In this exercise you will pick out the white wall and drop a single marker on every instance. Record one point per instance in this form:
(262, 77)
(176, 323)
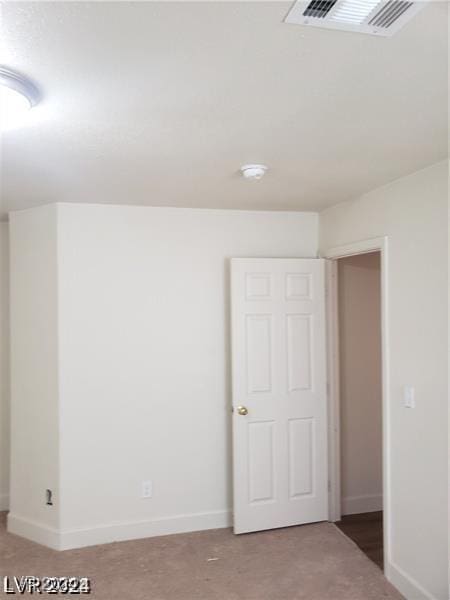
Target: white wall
(4, 367)
(144, 348)
(34, 360)
(144, 366)
(412, 212)
(360, 381)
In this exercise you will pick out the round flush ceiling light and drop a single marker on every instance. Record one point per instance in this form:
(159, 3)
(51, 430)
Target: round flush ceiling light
(17, 96)
(253, 171)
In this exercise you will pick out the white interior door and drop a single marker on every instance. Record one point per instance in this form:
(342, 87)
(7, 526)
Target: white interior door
(280, 470)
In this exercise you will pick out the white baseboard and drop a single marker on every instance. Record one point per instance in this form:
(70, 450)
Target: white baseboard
(4, 501)
(116, 532)
(406, 585)
(352, 505)
(34, 531)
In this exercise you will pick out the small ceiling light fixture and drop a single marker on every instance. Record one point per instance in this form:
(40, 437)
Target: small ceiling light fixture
(17, 96)
(253, 171)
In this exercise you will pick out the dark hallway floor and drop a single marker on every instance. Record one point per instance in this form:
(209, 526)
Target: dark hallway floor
(366, 530)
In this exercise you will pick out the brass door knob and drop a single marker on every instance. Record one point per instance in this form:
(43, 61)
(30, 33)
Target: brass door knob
(242, 410)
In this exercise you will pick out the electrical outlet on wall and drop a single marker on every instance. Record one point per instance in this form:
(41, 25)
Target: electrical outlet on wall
(147, 489)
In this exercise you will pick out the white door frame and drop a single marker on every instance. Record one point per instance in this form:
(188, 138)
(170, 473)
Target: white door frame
(379, 244)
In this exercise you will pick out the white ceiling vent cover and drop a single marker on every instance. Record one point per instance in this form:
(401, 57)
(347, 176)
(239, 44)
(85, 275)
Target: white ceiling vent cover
(377, 17)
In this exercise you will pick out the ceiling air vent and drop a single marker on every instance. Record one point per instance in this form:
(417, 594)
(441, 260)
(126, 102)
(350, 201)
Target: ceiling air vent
(319, 8)
(377, 17)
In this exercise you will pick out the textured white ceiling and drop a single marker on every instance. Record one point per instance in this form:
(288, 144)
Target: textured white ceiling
(159, 103)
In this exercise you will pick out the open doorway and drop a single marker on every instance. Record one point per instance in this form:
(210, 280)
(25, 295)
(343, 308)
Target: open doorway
(360, 405)
(380, 537)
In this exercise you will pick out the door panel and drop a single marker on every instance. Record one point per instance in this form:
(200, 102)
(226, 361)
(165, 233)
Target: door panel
(259, 353)
(261, 467)
(299, 350)
(279, 375)
(301, 449)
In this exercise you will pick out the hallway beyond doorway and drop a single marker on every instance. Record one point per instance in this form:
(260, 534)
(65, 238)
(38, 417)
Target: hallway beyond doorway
(366, 530)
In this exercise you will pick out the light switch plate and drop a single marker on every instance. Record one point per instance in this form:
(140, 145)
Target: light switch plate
(147, 489)
(409, 399)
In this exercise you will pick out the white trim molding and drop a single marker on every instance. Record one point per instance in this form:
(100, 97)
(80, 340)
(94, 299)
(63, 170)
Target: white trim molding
(334, 442)
(134, 530)
(359, 247)
(353, 505)
(116, 532)
(379, 244)
(34, 531)
(406, 584)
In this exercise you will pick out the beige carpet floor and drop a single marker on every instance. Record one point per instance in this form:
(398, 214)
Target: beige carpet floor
(310, 562)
